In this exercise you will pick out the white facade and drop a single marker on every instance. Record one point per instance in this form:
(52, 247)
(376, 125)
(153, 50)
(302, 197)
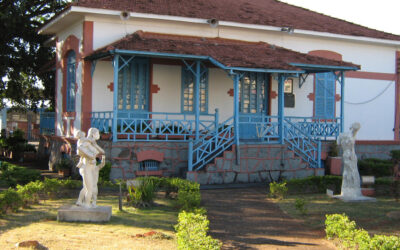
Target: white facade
(370, 102)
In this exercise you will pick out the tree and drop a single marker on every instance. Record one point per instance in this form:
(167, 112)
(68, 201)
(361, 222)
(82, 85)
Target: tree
(22, 51)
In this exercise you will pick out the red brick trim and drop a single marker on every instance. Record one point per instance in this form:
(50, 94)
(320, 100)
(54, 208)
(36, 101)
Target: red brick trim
(370, 75)
(231, 92)
(326, 54)
(154, 89)
(362, 142)
(397, 99)
(311, 96)
(337, 97)
(87, 81)
(149, 155)
(111, 86)
(273, 94)
(71, 43)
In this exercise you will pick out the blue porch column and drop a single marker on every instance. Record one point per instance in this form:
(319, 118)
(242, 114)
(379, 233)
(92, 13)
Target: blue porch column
(236, 114)
(342, 102)
(281, 107)
(197, 99)
(115, 101)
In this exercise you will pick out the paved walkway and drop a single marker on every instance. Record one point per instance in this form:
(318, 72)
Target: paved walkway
(243, 218)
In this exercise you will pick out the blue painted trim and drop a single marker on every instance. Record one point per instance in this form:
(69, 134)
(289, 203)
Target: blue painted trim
(281, 108)
(323, 67)
(186, 74)
(197, 98)
(342, 102)
(236, 115)
(115, 101)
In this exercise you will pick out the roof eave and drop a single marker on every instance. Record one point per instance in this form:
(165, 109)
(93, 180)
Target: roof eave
(313, 68)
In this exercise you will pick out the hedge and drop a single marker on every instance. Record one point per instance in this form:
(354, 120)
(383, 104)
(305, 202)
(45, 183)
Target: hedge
(338, 226)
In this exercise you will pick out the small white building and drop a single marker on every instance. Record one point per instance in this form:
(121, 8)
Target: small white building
(244, 90)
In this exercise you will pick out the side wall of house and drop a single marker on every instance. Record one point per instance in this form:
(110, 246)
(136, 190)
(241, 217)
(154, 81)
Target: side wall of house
(369, 94)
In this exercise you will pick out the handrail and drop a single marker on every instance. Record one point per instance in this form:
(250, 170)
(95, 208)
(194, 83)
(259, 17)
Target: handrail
(302, 144)
(317, 127)
(208, 146)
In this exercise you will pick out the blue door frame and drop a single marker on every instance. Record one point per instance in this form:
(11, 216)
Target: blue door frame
(253, 90)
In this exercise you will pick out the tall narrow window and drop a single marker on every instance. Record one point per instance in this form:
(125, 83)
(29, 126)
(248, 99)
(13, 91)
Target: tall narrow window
(71, 76)
(325, 95)
(133, 86)
(188, 94)
(252, 93)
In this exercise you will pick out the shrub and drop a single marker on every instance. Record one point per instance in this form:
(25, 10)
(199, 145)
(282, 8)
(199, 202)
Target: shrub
(143, 194)
(64, 164)
(315, 184)
(278, 190)
(14, 175)
(51, 187)
(395, 154)
(375, 167)
(10, 200)
(340, 227)
(191, 231)
(30, 192)
(300, 205)
(104, 174)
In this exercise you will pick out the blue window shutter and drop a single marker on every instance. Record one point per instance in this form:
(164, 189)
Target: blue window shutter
(325, 95)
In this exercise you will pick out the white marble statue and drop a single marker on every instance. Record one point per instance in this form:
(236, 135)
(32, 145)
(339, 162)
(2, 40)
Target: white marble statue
(351, 183)
(88, 149)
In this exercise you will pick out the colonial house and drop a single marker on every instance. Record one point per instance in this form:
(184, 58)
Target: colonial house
(226, 91)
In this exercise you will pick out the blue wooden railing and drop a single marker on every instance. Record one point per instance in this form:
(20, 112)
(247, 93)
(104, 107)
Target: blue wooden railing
(210, 145)
(266, 127)
(302, 144)
(153, 126)
(47, 123)
(317, 128)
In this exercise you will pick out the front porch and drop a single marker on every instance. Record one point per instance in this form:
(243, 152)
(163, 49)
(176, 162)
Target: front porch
(213, 96)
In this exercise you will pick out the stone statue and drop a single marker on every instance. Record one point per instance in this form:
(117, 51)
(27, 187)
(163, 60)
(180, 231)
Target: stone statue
(88, 149)
(351, 184)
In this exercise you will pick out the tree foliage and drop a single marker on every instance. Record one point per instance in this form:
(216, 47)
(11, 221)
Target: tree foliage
(23, 55)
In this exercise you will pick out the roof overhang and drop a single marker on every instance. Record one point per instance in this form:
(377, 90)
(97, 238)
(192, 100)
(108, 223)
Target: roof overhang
(303, 68)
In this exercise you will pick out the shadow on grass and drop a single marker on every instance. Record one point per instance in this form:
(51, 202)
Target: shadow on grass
(162, 216)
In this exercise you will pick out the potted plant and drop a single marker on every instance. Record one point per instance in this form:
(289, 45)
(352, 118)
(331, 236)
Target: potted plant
(64, 167)
(334, 161)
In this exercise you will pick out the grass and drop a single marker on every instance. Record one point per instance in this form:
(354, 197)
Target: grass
(368, 215)
(40, 223)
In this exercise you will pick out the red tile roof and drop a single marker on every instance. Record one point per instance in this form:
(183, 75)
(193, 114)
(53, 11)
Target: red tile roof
(231, 53)
(263, 12)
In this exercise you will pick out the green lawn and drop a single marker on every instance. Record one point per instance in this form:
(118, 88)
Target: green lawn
(371, 216)
(40, 223)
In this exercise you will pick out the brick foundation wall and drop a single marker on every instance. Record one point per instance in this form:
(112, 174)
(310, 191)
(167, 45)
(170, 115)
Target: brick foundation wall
(258, 163)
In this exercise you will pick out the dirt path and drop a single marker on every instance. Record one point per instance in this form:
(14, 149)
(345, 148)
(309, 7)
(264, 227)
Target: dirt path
(244, 219)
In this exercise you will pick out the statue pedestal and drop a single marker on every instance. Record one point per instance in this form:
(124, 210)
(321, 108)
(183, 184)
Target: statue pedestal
(73, 213)
(355, 198)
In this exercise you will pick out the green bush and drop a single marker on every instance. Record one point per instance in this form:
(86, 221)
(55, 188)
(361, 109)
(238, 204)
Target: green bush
(375, 167)
(395, 154)
(30, 192)
(191, 232)
(143, 194)
(315, 184)
(52, 187)
(10, 200)
(14, 175)
(104, 174)
(300, 205)
(340, 227)
(278, 190)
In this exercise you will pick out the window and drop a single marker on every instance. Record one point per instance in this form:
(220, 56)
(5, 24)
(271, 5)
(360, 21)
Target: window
(133, 86)
(188, 90)
(71, 74)
(325, 95)
(253, 93)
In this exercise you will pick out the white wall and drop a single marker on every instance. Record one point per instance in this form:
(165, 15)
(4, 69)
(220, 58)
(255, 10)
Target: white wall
(102, 97)
(218, 86)
(371, 57)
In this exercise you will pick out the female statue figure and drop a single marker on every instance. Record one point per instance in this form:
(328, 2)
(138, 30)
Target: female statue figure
(88, 149)
(351, 179)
